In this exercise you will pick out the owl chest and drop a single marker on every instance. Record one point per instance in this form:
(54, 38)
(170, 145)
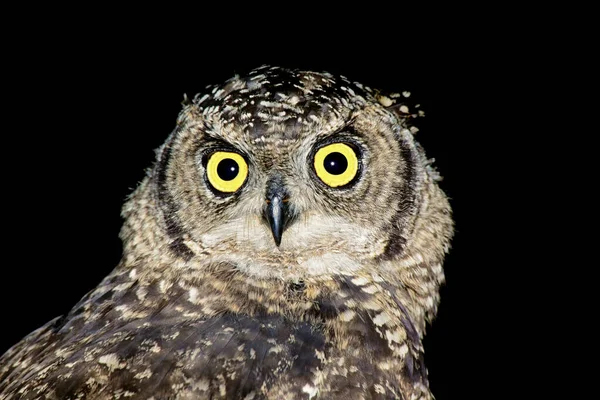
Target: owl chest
(236, 355)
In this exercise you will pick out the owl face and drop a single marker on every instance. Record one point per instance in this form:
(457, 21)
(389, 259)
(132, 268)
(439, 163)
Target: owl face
(287, 175)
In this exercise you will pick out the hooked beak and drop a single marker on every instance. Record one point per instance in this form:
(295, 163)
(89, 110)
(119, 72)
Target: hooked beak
(276, 216)
(276, 210)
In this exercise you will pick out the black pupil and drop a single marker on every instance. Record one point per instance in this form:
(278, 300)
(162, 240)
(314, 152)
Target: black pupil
(335, 163)
(227, 169)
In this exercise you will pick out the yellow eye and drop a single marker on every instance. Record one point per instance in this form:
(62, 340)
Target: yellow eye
(226, 171)
(336, 164)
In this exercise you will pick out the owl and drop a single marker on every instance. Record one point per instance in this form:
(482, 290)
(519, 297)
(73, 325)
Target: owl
(287, 244)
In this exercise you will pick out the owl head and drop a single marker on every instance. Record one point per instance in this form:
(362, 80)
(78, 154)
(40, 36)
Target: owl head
(291, 175)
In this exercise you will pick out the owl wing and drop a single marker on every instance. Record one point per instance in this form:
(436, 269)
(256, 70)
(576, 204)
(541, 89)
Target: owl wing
(27, 350)
(229, 356)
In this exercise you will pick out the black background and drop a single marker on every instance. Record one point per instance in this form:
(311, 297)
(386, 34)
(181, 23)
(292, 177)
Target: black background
(86, 111)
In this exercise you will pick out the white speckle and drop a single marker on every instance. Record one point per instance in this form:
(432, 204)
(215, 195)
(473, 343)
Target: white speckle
(155, 348)
(111, 361)
(347, 315)
(371, 305)
(404, 109)
(202, 385)
(252, 354)
(429, 302)
(147, 373)
(379, 389)
(385, 101)
(206, 96)
(360, 281)
(381, 319)
(351, 303)
(164, 286)
(61, 353)
(122, 286)
(406, 94)
(320, 355)
(397, 336)
(311, 390)
(132, 273)
(258, 77)
(276, 349)
(403, 350)
(269, 104)
(193, 295)
(370, 289)
(263, 115)
(141, 293)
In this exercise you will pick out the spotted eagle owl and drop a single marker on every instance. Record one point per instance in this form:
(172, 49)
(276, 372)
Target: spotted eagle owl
(287, 244)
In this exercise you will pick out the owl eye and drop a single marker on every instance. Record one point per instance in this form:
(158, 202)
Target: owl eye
(226, 171)
(336, 164)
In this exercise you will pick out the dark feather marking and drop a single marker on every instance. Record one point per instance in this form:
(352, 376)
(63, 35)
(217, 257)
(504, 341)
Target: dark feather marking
(397, 241)
(260, 362)
(251, 368)
(180, 249)
(166, 352)
(167, 204)
(305, 360)
(295, 291)
(329, 307)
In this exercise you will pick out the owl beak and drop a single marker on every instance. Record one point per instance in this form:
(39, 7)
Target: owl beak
(275, 213)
